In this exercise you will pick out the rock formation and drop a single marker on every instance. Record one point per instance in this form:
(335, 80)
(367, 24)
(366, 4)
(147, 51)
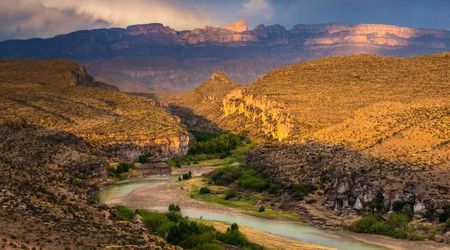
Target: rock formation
(151, 57)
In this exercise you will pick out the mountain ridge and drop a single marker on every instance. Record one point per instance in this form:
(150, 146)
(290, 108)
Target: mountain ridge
(151, 57)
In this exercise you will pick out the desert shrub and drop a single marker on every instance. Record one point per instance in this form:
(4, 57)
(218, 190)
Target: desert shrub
(202, 136)
(155, 222)
(225, 175)
(204, 190)
(221, 145)
(234, 237)
(174, 208)
(251, 180)
(261, 209)
(301, 190)
(375, 206)
(395, 226)
(275, 188)
(123, 213)
(446, 215)
(187, 176)
(120, 169)
(231, 193)
(179, 230)
(143, 157)
(447, 224)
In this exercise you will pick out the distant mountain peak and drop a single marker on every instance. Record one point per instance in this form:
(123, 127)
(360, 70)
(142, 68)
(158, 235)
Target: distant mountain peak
(239, 26)
(150, 28)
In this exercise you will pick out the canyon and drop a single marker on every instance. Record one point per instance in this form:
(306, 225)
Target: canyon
(154, 57)
(367, 131)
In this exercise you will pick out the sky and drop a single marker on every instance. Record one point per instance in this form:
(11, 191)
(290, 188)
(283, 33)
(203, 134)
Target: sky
(21, 19)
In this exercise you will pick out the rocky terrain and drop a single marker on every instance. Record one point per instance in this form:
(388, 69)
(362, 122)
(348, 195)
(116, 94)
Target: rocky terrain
(47, 200)
(391, 108)
(60, 95)
(61, 130)
(149, 57)
(366, 131)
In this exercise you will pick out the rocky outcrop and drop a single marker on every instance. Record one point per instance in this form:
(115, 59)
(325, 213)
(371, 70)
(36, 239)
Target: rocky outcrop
(47, 194)
(267, 116)
(355, 183)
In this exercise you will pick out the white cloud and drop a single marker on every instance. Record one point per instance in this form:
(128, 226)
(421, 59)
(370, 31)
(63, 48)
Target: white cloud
(123, 13)
(46, 18)
(23, 18)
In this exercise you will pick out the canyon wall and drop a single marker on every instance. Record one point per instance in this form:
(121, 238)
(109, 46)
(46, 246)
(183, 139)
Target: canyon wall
(152, 57)
(266, 115)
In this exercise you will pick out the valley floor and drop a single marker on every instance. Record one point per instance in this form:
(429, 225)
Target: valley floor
(161, 195)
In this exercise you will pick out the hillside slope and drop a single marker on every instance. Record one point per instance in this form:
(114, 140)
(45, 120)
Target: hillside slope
(361, 129)
(60, 132)
(47, 199)
(59, 95)
(387, 107)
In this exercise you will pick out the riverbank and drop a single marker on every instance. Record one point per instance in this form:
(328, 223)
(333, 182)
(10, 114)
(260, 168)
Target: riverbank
(159, 195)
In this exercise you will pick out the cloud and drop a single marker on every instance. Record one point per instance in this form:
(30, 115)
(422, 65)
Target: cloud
(123, 13)
(257, 8)
(46, 18)
(26, 18)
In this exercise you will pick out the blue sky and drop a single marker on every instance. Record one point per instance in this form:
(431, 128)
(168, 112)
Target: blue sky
(46, 18)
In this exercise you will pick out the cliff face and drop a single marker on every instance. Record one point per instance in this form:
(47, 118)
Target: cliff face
(146, 57)
(267, 116)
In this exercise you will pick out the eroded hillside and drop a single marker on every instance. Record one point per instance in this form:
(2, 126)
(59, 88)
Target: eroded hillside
(60, 132)
(47, 184)
(388, 107)
(362, 130)
(59, 95)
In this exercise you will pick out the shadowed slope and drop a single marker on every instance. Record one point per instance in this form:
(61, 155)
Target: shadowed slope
(54, 94)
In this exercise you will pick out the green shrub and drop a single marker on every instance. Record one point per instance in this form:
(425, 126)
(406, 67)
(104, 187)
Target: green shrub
(261, 209)
(174, 208)
(187, 176)
(251, 180)
(395, 226)
(143, 157)
(447, 224)
(234, 237)
(155, 222)
(221, 145)
(225, 175)
(179, 230)
(301, 190)
(275, 188)
(231, 193)
(123, 213)
(201, 136)
(120, 169)
(204, 190)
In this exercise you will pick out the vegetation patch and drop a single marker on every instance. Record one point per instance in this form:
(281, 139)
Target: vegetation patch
(397, 225)
(120, 170)
(189, 234)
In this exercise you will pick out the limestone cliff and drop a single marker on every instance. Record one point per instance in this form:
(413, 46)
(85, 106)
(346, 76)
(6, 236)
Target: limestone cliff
(266, 115)
(149, 57)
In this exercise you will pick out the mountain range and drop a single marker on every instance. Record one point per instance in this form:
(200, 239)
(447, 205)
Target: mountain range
(154, 57)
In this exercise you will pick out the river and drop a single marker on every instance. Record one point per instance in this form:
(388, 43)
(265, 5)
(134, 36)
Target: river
(297, 231)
